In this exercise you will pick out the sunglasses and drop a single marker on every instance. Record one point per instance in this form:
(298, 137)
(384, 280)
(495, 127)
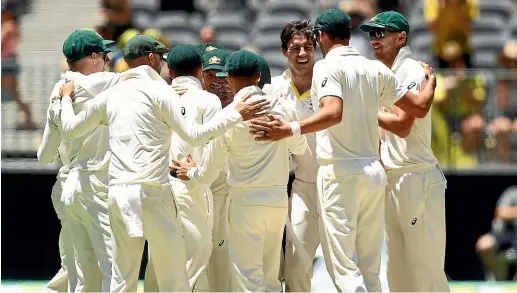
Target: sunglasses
(377, 34)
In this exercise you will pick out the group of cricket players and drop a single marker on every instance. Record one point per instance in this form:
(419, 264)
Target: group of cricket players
(199, 167)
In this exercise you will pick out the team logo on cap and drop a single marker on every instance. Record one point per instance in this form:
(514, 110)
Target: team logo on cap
(210, 48)
(214, 60)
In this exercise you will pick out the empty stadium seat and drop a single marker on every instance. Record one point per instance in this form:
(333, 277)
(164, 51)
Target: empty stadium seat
(513, 27)
(269, 41)
(177, 36)
(488, 41)
(275, 59)
(496, 8)
(271, 24)
(143, 20)
(484, 59)
(145, 5)
(232, 41)
(227, 22)
(172, 20)
(300, 7)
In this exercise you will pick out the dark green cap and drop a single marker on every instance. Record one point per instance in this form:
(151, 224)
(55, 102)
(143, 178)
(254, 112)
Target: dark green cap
(184, 58)
(82, 43)
(387, 19)
(243, 63)
(215, 59)
(333, 21)
(265, 72)
(207, 47)
(141, 45)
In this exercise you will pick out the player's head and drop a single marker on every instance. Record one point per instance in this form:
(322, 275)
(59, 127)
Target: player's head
(332, 27)
(86, 51)
(185, 60)
(265, 72)
(145, 50)
(213, 62)
(298, 45)
(388, 32)
(243, 69)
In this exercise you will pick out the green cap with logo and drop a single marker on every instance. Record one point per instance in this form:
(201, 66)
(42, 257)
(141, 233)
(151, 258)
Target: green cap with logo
(215, 59)
(333, 21)
(387, 19)
(82, 43)
(141, 45)
(242, 63)
(207, 47)
(184, 58)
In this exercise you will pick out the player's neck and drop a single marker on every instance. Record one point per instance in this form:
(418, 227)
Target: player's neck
(302, 81)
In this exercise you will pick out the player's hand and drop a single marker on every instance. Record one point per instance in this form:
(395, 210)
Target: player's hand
(250, 110)
(272, 130)
(67, 89)
(182, 168)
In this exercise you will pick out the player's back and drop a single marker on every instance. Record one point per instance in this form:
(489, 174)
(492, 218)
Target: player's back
(361, 84)
(139, 137)
(252, 163)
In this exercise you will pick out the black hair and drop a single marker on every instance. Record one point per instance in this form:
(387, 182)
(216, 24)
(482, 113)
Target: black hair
(294, 28)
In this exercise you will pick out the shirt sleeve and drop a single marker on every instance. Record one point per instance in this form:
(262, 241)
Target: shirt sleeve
(413, 79)
(195, 134)
(211, 109)
(391, 90)
(212, 163)
(47, 150)
(327, 81)
(93, 114)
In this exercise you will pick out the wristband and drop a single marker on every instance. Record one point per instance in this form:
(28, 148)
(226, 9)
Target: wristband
(295, 127)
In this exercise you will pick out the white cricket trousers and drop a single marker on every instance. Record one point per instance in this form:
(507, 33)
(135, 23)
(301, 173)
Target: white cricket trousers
(66, 278)
(303, 209)
(415, 229)
(351, 229)
(219, 264)
(91, 232)
(194, 211)
(256, 226)
(162, 229)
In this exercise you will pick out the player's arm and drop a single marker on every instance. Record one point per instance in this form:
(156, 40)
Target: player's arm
(197, 134)
(72, 125)
(399, 122)
(296, 144)
(327, 85)
(47, 150)
(416, 105)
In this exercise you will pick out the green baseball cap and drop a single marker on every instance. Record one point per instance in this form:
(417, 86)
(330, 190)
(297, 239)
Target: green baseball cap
(184, 58)
(215, 59)
(242, 63)
(387, 19)
(207, 47)
(141, 45)
(333, 21)
(265, 72)
(82, 43)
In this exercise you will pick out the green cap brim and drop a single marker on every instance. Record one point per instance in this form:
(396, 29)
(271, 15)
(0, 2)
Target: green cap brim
(109, 46)
(366, 27)
(213, 66)
(221, 74)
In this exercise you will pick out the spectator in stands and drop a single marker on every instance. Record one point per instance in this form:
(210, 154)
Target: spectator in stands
(117, 16)
(358, 14)
(506, 124)
(10, 66)
(451, 20)
(207, 35)
(459, 98)
(498, 248)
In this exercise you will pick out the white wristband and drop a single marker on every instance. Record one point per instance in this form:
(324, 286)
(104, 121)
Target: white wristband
(295, 127)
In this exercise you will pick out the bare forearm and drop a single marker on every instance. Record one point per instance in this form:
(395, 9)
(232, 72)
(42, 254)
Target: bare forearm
(418, 105)
(319, 121)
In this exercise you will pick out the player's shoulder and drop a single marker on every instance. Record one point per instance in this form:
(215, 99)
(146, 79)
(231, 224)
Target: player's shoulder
(412, 68)
(209, 100)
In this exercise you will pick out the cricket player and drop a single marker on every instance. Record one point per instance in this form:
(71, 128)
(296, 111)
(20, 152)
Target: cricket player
(85, 52)
(194, 200)
(265, 73)
(257, 176)
(141, 113)
(415, 195)
(293, 87)
(349, 90)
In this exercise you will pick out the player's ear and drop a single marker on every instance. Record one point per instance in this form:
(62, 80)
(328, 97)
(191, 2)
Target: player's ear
(284, 51)
(402, 39)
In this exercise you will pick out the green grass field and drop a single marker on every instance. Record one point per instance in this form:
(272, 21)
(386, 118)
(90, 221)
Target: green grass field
(9, 286)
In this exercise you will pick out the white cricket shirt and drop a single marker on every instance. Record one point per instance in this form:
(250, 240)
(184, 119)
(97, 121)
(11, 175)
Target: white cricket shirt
(298, 106)
(251, 164)
(414, 149)
(364, 85)
(200, 106)
(141, 112)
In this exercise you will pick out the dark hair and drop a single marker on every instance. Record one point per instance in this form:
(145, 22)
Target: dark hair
(294, 28)
(189, 72)
(340, 35)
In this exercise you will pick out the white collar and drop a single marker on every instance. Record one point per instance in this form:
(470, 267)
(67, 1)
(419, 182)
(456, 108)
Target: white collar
(343, 51)
(70, 75)
(404, 53)
(189, 80)
(249, 90)
(287, 74)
